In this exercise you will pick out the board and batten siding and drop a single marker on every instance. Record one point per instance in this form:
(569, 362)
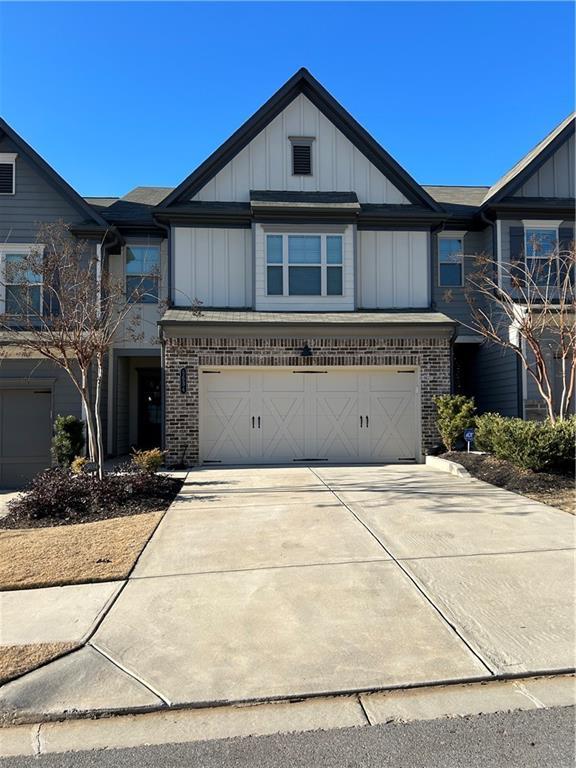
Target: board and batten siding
(266, 162)
(344, 303)
(212, 265)
(35, 202)
(555, 178)
(393, 270)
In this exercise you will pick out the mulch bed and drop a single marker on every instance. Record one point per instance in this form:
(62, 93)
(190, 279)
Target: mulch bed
(157, 503)
(555, 489)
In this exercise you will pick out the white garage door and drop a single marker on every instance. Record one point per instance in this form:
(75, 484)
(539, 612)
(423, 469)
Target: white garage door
(281, 415)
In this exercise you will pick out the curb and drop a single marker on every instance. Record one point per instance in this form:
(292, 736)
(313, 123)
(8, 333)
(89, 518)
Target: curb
(445, 465)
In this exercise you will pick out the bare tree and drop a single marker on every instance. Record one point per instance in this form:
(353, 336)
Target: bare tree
(62, 305)
(528, 306)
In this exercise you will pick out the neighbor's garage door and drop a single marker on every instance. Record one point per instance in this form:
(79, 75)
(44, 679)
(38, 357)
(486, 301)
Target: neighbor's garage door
(273, 416)
(25, 434)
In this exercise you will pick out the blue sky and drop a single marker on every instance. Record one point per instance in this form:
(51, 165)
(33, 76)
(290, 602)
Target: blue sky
(114, 95)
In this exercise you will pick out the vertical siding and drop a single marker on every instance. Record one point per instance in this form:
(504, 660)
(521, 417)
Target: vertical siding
(555, 178)
(393, 269)
(452, 301)
(212, 265)
(265, 163)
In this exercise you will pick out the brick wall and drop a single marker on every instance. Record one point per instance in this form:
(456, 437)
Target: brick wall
(432, 355)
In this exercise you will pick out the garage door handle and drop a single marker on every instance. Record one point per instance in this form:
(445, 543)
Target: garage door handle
(258, 422)
(361, 420)
(366, 422)
(252, 422)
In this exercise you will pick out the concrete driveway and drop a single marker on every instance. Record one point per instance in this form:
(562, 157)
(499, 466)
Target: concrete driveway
(273, 582)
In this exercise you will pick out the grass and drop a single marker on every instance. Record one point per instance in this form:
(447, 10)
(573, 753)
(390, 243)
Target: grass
(73, 554)
(17, 659)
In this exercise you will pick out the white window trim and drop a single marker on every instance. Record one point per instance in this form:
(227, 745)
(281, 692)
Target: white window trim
(553, 226)
(324, 266)
(24, 248)
(157, 276)
(449, 235)
(10, 158)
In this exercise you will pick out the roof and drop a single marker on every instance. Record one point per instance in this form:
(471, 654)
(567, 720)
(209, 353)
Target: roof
(248, 317)
(459, 195)
(304, 198)
(301, 82)
(51, 176)
(530, 163)
(136, 207)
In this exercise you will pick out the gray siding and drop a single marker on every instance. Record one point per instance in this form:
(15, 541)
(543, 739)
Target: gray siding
(66, 400)
(496, 380)
(452, 301)
(36, 201)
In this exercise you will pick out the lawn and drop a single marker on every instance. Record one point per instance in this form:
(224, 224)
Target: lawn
(17, 659)
(105, 550)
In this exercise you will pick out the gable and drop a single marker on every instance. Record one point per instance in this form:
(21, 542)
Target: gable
(555, 178)
(265, 163)
(319, 110)
(40, 195)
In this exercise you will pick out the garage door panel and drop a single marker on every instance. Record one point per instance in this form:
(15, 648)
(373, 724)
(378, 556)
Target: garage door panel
(273, 416)
(25, 434)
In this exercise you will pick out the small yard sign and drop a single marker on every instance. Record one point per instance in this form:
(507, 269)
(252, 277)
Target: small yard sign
(469, 437)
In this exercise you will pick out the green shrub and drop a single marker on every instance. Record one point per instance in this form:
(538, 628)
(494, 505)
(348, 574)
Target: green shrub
(455, 414)
(148, 461)
(68, 440)
(536, 445)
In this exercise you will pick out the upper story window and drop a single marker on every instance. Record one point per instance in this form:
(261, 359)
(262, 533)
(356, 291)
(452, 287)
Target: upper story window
(7, 173)
(22, 286)
(304, 265)
(541, 250)
(301, 155)
(451, 260)
(142, 273)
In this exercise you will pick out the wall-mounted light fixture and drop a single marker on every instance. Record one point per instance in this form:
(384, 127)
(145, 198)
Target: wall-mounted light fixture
(183, 380)
(306, 351)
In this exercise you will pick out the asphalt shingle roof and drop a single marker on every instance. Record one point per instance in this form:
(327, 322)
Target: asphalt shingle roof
(305, 318)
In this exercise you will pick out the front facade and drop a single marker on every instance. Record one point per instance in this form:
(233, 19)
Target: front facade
(307, 298)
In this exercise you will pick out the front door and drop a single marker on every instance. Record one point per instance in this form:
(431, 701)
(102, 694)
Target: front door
(149, 408)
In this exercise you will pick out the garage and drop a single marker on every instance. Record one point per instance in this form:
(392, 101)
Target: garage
(25, 434)
(269, 416)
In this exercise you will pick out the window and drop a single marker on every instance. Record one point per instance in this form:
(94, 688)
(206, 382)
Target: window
(301, 156)
(304, 265)
(7, 173)
(450, 260)
(541, 249)
(23, 288)
(142, 273)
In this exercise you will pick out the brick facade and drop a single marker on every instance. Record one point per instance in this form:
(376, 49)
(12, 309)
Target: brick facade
(432, 355)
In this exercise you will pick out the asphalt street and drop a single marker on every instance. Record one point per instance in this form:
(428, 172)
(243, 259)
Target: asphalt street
(534, 739)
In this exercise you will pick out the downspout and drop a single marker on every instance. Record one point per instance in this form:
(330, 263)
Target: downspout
(168, 230)
(433, 232)
(116, 239)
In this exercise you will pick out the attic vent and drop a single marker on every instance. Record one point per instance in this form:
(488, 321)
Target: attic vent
(7, 174)
(302, 156)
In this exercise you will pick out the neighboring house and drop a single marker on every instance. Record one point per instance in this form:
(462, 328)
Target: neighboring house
(331, 285)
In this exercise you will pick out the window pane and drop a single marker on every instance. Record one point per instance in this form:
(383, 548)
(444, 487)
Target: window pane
(543, 271)
(304, 281)
(540, 242)
(450, 274)
(142, 260)
(334, 249)
(450, 249)
(274, 249)
(142, 290)
(304, 249)
(15, 272)
(275, 281)
(22, 301)
(334, 281)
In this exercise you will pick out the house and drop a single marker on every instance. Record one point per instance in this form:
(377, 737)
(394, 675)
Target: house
(331, 291)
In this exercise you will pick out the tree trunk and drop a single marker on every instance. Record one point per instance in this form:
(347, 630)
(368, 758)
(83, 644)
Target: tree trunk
(97, 403)
(90, 431)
